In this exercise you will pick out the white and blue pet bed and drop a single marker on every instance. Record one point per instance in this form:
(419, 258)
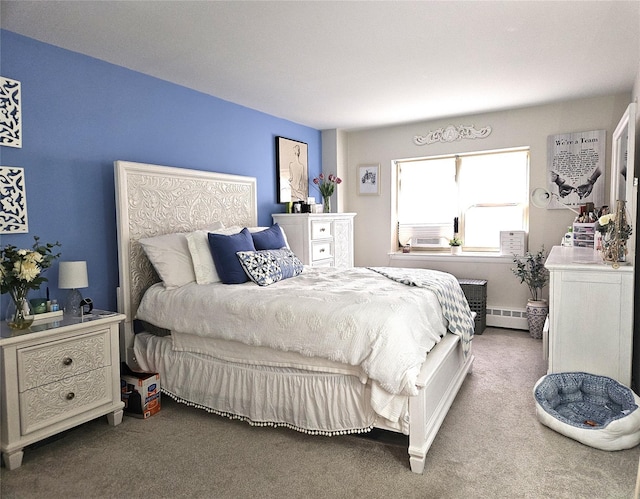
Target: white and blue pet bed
(594, 410)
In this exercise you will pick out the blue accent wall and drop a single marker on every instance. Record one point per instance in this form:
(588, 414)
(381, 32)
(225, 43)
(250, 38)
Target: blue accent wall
(80, 114)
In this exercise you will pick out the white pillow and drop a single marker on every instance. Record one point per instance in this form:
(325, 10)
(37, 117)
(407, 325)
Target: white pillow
(170, 256)
(198, 244)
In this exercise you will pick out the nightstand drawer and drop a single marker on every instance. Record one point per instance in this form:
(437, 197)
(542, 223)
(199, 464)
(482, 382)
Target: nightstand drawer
(320, 229)
(43, 364)
(320, 251)
(48, 404)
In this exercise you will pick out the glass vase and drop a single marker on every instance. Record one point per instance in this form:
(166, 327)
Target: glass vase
(19, 313)
(614, 241)
(326, 204)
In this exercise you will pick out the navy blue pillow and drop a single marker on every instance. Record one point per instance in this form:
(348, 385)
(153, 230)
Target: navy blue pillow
(224, 249)
(270, 238)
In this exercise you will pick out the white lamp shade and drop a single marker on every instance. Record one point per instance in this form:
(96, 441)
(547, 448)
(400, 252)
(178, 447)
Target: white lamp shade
(73, 275)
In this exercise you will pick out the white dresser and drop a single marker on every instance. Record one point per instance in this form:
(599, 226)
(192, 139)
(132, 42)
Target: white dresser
(57, 375)
(319, 239)
(591, 314)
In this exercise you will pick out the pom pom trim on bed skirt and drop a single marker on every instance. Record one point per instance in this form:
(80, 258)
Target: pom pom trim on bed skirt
(267, 423)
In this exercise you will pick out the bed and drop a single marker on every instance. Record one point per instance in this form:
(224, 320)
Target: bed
(252, 357)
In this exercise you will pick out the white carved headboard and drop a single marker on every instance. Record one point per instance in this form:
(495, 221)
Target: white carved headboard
(153, 200)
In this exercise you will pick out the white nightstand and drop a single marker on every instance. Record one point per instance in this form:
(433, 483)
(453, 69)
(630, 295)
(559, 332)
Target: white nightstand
(56, 375)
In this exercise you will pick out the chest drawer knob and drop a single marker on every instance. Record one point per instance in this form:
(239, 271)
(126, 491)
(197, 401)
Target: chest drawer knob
(67, 361)
(71, 396)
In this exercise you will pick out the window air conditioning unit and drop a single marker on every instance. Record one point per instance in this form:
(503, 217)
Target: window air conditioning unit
(429, 242)
(427, 236)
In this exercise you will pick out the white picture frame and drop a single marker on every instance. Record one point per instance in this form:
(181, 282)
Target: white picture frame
(368, 180)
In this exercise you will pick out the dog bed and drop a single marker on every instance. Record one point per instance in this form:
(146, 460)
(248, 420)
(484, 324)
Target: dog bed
(594, 410)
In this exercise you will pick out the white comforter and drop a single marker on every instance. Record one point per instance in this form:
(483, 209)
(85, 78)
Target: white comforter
(351, 316)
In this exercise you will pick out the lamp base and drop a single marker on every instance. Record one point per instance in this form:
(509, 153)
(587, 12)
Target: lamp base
(72, 305)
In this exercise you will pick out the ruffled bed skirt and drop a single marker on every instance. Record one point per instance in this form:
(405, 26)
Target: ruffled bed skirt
(311, 402)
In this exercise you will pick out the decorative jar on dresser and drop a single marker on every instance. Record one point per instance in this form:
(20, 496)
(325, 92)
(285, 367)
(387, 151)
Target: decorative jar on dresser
(590, 314)
(319, 239)
(59, 373)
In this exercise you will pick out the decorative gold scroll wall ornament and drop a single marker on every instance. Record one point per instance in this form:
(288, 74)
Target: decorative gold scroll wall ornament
(452, 133)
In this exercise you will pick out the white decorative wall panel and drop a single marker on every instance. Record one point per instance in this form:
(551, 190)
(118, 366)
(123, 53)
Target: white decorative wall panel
(13, 201)
(452, 133)
(10, 113)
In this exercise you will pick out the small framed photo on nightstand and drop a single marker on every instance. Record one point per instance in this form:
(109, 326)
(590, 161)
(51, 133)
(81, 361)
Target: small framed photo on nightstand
(369, 180)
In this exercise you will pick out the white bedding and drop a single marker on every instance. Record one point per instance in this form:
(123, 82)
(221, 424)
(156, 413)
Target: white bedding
(351, 316)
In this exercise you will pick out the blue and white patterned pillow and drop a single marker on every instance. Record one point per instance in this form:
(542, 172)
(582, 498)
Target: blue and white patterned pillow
(265, 267)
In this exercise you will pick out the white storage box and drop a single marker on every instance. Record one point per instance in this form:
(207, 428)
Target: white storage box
(513, 242)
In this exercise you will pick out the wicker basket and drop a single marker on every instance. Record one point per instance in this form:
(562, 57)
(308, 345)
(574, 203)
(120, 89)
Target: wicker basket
(475, 290)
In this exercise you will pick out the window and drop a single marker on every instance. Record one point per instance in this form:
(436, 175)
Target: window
(486, 192)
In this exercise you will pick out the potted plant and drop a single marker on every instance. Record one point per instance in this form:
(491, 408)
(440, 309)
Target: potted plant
(456, 245)
(530, 269)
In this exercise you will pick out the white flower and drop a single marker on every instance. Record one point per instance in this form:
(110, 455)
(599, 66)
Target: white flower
(26, 271)
(605, 219)
(33, 256)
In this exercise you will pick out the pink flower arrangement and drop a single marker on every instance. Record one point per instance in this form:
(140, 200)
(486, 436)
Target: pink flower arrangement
(326, 186)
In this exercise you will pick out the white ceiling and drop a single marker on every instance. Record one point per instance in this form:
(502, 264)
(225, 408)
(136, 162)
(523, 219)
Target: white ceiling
(350, 65)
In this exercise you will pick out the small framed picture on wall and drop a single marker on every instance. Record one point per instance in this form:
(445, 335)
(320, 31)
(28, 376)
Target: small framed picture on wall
(369, 180)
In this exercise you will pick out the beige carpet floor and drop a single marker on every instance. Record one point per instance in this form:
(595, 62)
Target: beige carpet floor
(490, 446)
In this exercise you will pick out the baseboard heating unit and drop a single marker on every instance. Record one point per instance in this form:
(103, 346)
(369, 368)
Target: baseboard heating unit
(513, 318)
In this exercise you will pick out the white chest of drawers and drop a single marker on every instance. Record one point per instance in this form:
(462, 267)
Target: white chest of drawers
(55, 376)
(319, 239)
(590, 314)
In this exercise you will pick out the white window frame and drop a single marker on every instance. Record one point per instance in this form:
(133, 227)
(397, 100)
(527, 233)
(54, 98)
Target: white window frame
(417, 232)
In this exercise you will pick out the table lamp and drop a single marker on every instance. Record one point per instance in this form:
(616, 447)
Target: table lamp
(73, 275)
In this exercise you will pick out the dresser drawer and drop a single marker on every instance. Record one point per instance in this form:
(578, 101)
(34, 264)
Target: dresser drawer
(321, 251)
(43, 364)
(48, 404)
(320, 229)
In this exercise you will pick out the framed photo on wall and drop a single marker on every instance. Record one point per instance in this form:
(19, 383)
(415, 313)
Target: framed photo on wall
(576, 169)
(292, 163)
(369, 180)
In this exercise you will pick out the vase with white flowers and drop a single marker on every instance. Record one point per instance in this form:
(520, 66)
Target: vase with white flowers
(530, 269)
(20, 271)
(326, 186)
(615, 231)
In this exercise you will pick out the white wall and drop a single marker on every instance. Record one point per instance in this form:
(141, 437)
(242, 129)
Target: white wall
(511, 128)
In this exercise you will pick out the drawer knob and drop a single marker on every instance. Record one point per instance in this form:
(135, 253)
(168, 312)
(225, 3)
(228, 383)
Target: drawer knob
(322, 229)
(70, 396)
(322, 250)
(67, 361)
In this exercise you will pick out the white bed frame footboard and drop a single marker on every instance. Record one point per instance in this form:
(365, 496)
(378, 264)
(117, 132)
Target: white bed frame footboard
(441, 379)
(153, 200)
